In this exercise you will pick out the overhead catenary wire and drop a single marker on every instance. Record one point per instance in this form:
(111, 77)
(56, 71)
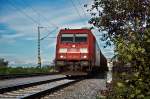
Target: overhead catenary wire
(54, 37)
(12, 3)
(82, 8)
(41, 16)
(29, 17)
(48, 34)
(38, 14)
(76, 9)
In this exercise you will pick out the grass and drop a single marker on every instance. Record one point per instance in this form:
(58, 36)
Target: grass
(25, 70)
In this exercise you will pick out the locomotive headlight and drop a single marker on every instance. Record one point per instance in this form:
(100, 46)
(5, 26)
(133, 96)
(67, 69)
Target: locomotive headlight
(63, 50)
(61, 56)
(84, 56)
(83, 50)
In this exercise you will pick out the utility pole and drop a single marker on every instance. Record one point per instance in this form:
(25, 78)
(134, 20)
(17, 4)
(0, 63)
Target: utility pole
(39, 49)
(39, 53)
(39, 44)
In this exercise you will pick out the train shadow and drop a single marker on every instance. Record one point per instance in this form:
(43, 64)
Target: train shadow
(97, 76)
(90, 76)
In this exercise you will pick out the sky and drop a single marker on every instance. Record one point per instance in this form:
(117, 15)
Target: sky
(19, 20)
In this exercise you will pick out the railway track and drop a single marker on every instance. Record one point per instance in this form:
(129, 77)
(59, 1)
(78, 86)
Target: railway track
(12, 76)
(35, 90)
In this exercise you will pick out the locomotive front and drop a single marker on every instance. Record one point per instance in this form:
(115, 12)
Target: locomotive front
(72, 52)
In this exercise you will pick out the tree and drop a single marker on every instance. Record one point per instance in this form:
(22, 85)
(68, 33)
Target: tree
(3, 63)
(127, 24)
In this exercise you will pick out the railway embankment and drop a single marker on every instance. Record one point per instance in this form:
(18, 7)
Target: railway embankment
(70, 88)
(88, 88)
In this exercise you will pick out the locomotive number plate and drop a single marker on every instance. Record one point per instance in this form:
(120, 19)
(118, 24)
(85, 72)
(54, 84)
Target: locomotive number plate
(73, 50)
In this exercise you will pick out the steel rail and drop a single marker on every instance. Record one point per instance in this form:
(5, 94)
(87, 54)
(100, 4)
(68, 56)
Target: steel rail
(12, 76)
(21, 86)
(36, 90)
(39, 94)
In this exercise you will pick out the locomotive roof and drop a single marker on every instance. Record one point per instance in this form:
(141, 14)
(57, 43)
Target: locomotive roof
(75, 31)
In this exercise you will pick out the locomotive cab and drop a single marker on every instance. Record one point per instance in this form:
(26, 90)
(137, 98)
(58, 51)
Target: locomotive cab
(73, 47)
(76, 51)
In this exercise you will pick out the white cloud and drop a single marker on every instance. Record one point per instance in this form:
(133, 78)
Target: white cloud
(2, 31)
(14, 59)
(12, 36)
(10, 39)
(30, 38)
(21, 24)
(25, 29)
(7, 40)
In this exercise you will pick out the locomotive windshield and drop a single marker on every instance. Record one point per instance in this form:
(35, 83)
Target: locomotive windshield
(67, 38)
(80, 37)
(74, 38)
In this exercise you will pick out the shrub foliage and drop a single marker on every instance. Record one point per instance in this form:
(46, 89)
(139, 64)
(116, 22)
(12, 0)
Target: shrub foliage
(126, 23)
(3, 62)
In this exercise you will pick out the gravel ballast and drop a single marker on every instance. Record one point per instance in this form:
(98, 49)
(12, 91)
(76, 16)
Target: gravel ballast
(85, 89)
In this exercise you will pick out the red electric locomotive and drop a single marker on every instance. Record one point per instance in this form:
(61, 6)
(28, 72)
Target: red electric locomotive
(78, 53)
